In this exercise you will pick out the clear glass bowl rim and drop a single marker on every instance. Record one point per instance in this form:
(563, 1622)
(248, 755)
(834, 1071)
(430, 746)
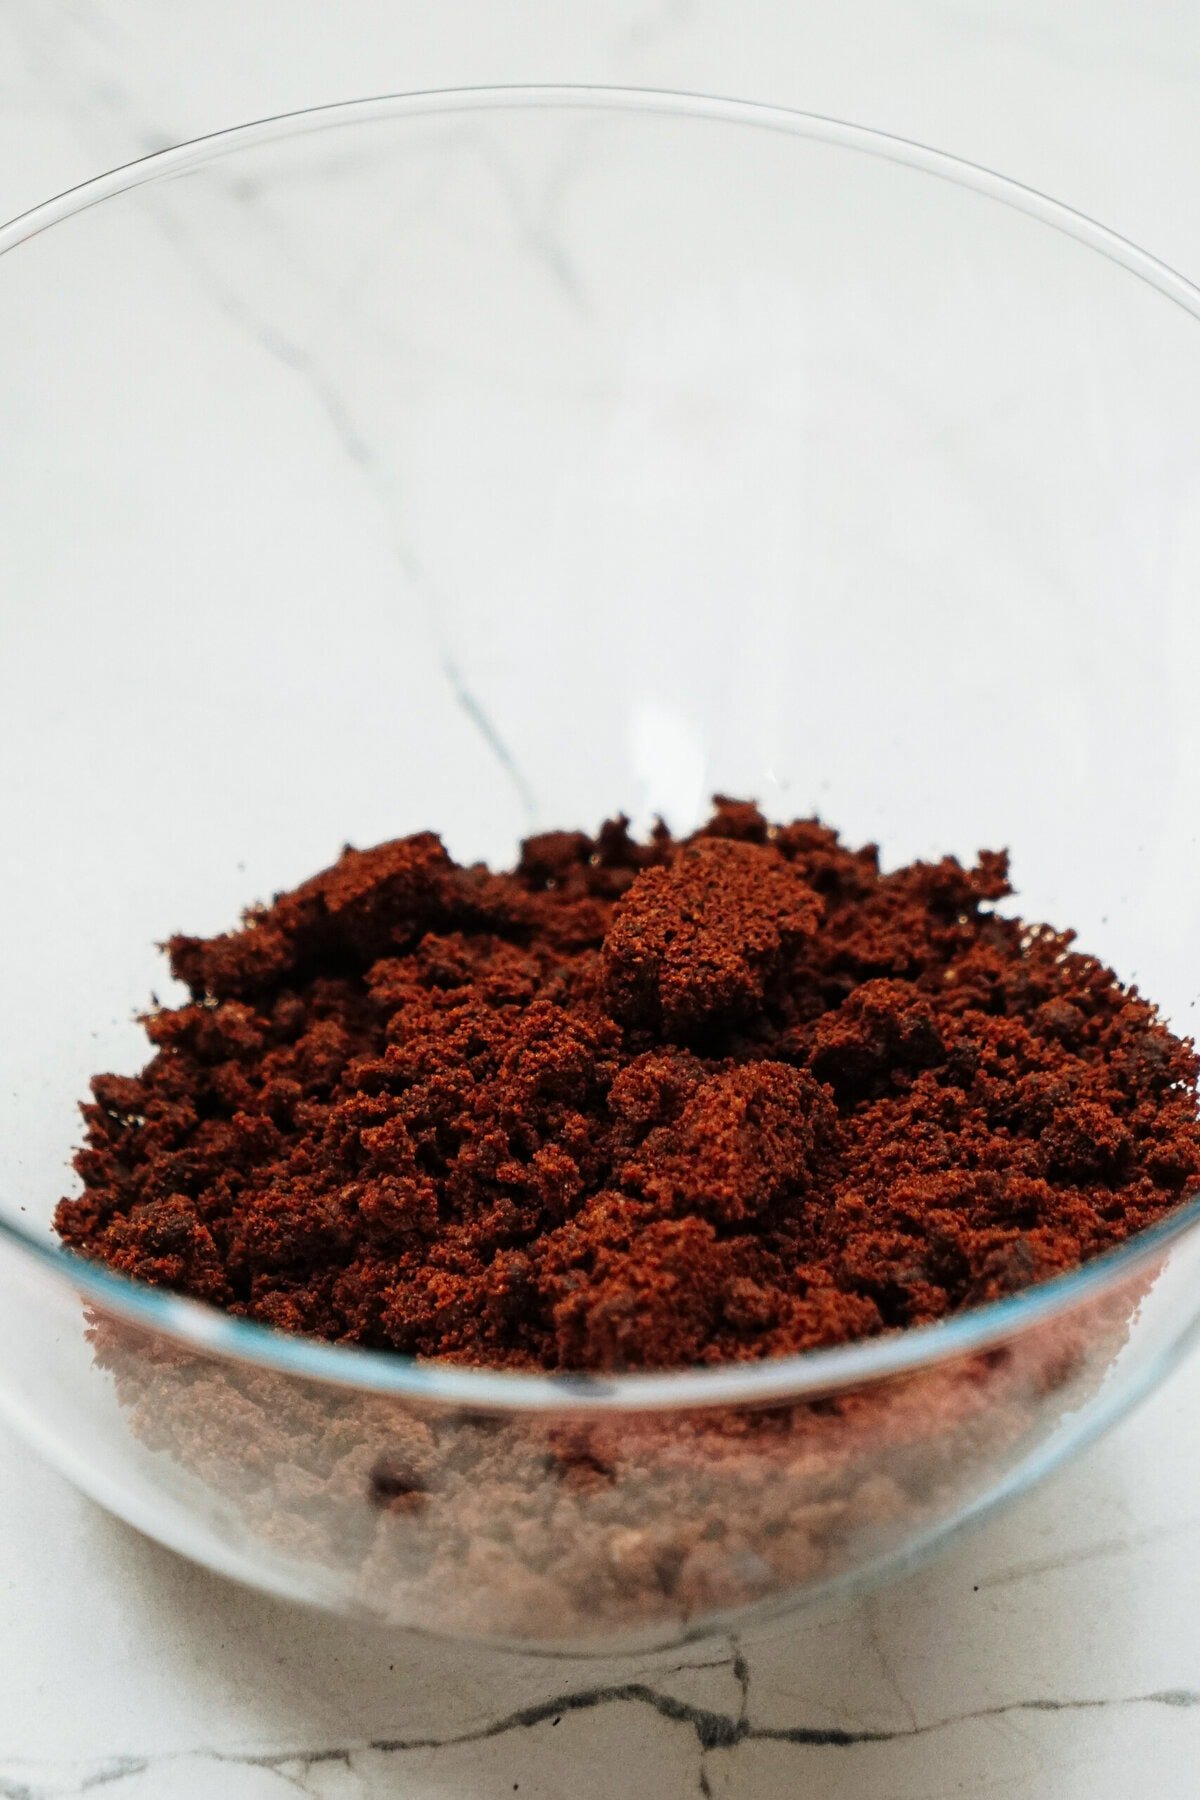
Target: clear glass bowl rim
(779, 1379)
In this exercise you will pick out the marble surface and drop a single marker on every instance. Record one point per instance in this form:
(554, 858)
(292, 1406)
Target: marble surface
(1052, 1652)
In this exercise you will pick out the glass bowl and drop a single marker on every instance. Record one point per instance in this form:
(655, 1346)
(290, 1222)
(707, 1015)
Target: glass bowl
(494, 461)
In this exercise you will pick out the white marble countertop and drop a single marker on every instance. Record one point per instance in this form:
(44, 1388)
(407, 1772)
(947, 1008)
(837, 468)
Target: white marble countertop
(1053, 1652)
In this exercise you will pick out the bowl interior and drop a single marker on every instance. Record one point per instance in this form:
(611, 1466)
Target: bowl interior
(494, 468)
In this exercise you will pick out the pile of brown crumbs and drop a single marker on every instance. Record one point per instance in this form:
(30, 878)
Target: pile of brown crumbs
(633, 1105)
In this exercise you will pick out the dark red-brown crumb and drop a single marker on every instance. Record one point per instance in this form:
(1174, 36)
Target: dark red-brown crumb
(633, 1105)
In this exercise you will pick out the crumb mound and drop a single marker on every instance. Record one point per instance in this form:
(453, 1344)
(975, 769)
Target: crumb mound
(633, 1105)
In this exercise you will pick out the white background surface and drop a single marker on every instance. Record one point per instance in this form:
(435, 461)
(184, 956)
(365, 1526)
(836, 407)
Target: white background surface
(1055, 1652)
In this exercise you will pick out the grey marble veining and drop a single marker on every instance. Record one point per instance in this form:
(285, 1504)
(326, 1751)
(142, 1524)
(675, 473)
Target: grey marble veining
(704, 1730)
(1049, 1652)
(378, 1761)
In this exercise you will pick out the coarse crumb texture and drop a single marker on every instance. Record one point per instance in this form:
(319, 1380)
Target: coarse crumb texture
(633, 1105)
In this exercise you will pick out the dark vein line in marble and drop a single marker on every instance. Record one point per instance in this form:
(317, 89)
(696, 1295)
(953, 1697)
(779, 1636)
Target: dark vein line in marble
(1101, 1550)
(118, 1770)
(739, 1668)
(654, 1673)
(885, 1662)
(741, 1674)
(836, 1738)
(712, 1730)
(359, 452)
(724, 1731)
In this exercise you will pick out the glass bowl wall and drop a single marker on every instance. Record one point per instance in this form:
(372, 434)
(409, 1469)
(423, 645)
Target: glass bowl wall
(495, 461)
